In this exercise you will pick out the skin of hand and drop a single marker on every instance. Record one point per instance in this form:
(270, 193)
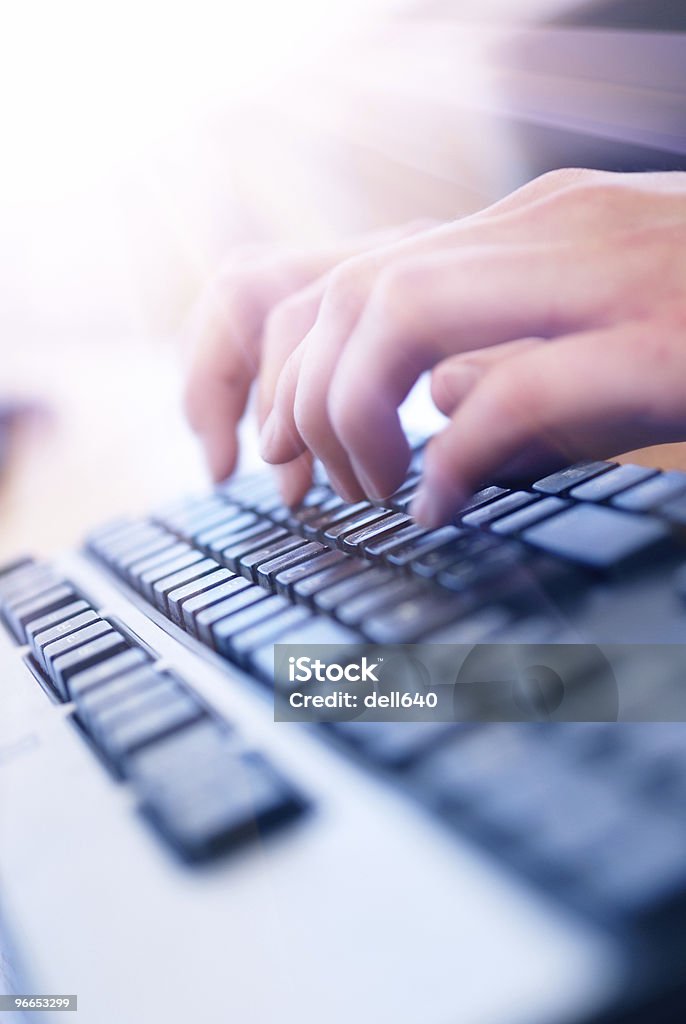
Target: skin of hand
(554, 324)
(253, 313)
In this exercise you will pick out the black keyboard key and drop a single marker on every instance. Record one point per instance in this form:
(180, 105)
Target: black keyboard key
(257, 492)
(359, 583)
(192, 607)
(516, 522)
(355, 610)
(337, 532)
(206, 538)
(227, 628)
(40, 640)
(307, 517)
(565, 479)
(135, 535)
(306, 590)
(162, 588)
(145, 582)
(404, 503)
(249, 563)
(50, 652)
(205, 620)
(271, 506)
(286, 579)
(116, 689)
(398, 540)
(314, 528)
(205, 796)
(482, 497)
(213, 514)
(356, 543)
(140, 566)
(247, 490)
(605, 486)
(163, 545)
(182, 507)
(258, 528)
(60, 615)
(83, 657)
(269, 631)
(487, 514)
(653, 493)
(83, 683)
(177, 598)
(304, 554)
(143, 718)
(231, 555)
(410, 483)
(403, 556)
(598, 537)
(315, 630)
(472, 571)
(429, 565)
(19, 613)
(413, 617)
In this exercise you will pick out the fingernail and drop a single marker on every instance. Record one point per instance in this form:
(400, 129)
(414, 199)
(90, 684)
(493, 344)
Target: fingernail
(342, 489)
(370, 488)
(267, 437)
(291, 485)
(462, 379)
(424, 508)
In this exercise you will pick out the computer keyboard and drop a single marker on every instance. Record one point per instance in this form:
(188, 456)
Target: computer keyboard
(592, 812)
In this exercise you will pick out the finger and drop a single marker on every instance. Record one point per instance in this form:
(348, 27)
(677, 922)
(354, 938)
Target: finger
(283, 438)
(454, 378)
(225, 326)
(226, 329)
(299, 418)
(284, 329)
(591, 395)
(294, 479)
(424, 311)
(345, 297)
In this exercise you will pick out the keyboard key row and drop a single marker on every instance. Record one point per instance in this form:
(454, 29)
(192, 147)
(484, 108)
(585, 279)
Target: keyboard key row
(277, 568)
(144, 720)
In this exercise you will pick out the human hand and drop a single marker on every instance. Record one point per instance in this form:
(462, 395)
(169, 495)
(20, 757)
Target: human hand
(554, 323)
(253, 314)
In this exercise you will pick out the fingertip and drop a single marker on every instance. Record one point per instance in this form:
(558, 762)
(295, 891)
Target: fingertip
(294, 481)
(439, 498)
(450, 384)
(278, 443)
(220, 455)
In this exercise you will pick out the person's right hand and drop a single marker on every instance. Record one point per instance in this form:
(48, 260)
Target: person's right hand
(253, 314)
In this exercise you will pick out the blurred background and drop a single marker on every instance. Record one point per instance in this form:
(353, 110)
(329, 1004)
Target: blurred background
(142, 140)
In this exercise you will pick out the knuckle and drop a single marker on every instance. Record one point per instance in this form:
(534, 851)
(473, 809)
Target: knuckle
(286, 324)
(394, 303)
(344, 288)
(512, 394)
(231, 301)
(440, 384)
(566, 177)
